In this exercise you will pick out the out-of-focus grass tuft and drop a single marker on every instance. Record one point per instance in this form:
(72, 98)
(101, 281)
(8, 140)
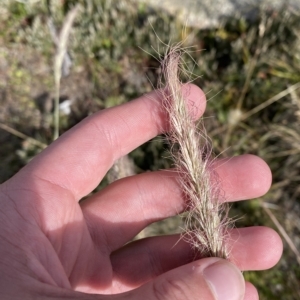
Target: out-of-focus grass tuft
(243, 64)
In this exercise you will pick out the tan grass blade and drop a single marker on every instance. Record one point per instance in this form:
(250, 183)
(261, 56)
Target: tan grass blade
(58, 61)
(22, 136)
(282, 231)
(261, 106)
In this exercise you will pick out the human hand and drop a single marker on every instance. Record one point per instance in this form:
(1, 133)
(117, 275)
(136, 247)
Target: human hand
(53, 247)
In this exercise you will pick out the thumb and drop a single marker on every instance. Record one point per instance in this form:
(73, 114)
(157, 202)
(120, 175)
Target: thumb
(207, 279)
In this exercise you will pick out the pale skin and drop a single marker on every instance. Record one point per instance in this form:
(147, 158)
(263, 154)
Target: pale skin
(53, 247)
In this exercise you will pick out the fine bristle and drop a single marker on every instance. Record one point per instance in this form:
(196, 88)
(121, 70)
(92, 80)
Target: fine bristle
(207, 221)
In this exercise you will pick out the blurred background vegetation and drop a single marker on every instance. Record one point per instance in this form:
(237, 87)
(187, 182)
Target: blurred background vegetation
(249, 70)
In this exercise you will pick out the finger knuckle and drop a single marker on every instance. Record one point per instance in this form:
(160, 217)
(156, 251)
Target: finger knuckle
(170, 288)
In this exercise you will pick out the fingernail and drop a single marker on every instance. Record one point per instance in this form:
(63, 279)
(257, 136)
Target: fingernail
(225, 281)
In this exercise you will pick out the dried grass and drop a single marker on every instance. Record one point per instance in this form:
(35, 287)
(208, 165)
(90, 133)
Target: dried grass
(207, 221)
(61, 52)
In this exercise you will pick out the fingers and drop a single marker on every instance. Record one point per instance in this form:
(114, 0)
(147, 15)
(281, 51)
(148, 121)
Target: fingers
(243, 177)
(144, 260)
(79, 159)
(251, 292)
(150, 197)
(255, 248)
(207, 279)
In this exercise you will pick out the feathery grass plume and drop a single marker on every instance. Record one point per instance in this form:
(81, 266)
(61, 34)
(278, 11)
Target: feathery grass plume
(207, 220)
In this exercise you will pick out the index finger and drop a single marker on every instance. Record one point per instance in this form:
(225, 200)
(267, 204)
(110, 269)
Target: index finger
(79, 159)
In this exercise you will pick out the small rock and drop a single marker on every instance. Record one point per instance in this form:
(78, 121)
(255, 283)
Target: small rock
(210, 13)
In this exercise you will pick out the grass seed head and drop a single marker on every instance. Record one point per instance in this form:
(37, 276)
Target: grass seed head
(207, 220)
